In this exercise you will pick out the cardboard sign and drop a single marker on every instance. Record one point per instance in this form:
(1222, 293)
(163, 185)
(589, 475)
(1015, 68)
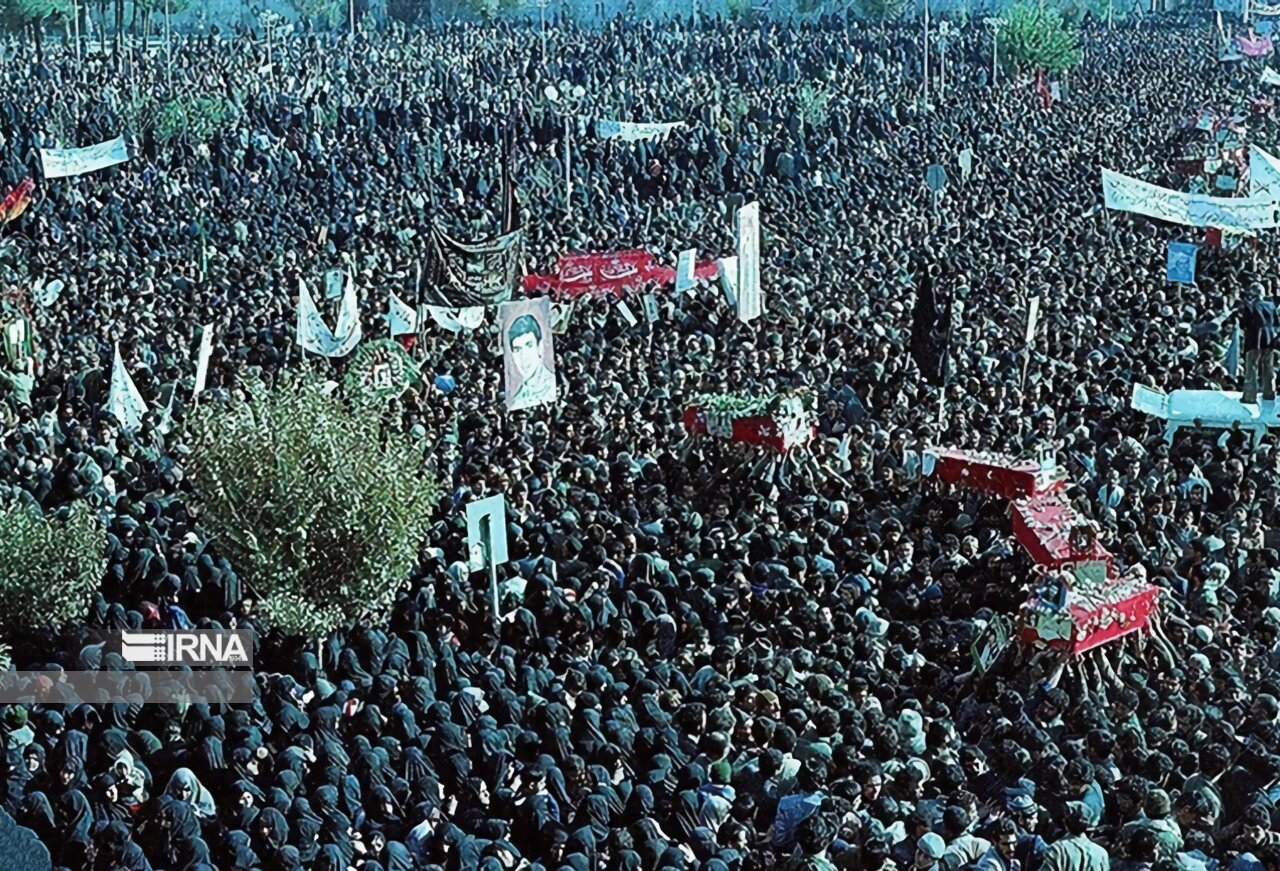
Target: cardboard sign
(487, 532)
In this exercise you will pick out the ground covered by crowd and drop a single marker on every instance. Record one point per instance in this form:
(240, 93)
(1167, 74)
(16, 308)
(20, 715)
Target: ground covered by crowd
(700, 667)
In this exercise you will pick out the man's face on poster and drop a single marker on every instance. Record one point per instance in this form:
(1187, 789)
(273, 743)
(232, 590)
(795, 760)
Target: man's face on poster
(526, 350)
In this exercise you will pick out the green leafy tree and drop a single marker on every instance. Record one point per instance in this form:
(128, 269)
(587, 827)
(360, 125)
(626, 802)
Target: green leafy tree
(317, 503)
(882, 10)
(18, 15)
(321, 13)
(407, 12)
(812, 100)
(1039, 38)
(196, 117)
(806, 8)
(49, 565)
(742, 10)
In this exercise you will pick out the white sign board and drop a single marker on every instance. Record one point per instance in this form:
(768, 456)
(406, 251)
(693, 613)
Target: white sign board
(487, 530)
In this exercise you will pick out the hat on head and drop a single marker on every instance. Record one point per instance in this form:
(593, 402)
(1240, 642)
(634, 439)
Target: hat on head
(932, 845)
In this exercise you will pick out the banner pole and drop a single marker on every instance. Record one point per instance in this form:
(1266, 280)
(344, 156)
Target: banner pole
(568, 171)
(926, 57)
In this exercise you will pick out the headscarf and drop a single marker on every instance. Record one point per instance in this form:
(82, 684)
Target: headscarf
(183, 780)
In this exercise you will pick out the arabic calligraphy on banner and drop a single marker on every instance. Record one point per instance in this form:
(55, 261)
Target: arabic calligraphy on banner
(1126, 194)
(629, 131)
(607, 274)
(60, 162)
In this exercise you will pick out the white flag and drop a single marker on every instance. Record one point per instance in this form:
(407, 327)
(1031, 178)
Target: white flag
(750, 297)
(686, 281)
(202, 361)
(403, 319)
(729, 279)
(125, 403)
(315, 336)
(456, 319)
(1033, 315)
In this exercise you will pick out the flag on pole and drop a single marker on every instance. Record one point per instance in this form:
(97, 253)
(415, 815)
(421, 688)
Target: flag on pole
(930, 334)
(750, 298)
(125, 403)
(202, 360)
(402, 319)
(1033, 315)
(315, 336)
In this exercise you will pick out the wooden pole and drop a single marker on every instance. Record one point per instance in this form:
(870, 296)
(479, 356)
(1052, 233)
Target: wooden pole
(926, 56)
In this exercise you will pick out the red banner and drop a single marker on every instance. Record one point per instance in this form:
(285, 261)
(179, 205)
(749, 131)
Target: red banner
(608, 274)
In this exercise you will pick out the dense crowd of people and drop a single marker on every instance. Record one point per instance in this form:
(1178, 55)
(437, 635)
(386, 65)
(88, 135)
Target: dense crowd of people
(699, 666)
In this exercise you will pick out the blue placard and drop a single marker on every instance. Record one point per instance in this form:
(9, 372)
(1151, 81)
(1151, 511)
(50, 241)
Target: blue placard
(1181, 264)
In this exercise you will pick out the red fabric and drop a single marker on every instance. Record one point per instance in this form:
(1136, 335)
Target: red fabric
(16, 201)
(1212, 237)
(1007, 479)
(758, 430)
(1043, 525)
(608, 274)
(1095, 626)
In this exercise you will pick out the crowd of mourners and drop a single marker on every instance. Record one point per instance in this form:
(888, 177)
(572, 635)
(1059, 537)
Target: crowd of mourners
(700, 666)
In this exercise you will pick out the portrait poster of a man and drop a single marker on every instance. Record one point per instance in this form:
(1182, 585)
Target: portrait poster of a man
(528, 356)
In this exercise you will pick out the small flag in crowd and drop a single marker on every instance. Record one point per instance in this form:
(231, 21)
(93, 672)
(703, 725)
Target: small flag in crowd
(125, 403)
(403, 320)
(16, 201)
(202, 360)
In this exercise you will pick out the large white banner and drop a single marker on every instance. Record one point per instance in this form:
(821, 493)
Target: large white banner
(750, 297)
(1264, 174)
(60, 162)
(1127, 194)
(628, 131)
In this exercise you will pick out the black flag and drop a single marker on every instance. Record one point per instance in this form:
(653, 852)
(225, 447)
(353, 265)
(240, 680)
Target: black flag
(931, 334)
(510, 205)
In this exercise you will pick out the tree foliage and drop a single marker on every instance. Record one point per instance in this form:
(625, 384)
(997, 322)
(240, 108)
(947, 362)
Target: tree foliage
(160, 7)
(1039, 38)
(321, 13)
(881, 10)
(49, 565)
(811, 100)
(742, 10)
(318, 504)
(18, 14)
(197, 117)
(405, 11)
